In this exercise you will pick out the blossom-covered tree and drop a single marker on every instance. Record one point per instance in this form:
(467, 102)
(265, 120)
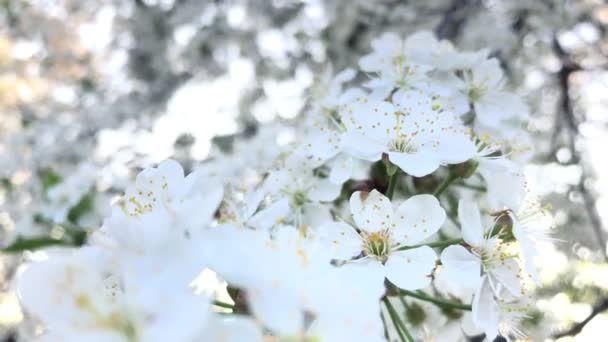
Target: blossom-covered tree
(281, 171)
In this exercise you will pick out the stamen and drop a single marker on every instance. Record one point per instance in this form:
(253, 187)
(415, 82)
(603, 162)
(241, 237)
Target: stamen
(403, 145)
(377, 244)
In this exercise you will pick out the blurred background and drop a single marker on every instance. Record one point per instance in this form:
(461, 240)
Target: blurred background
(91, 91)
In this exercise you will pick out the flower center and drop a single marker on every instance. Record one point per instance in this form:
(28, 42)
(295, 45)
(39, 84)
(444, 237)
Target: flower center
(298, 199)
(333, 116)
(476, 92)
(403, 145)
(399, 60)
(377, 245)
(493, 255)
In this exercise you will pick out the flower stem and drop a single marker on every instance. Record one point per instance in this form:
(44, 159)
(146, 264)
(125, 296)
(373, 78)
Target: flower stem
(439, 302)
(392, 183)
(444, 185)
(437, 244)
(384, 326)
(472, 187)
(402, 331)
(223, 304)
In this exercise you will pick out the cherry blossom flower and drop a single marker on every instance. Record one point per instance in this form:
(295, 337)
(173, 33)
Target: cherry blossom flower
(84, 297)
(493, 106)
(384, 238)
(484, 252)
(498, 314)
(413, 131)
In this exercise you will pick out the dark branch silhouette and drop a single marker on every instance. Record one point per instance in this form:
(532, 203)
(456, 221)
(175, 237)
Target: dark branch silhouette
(598, 308)
(566, 121)
(454, 18)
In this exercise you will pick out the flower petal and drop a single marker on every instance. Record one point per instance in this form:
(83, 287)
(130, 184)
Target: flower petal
(372, 211)
(374, 119)
(461, 266)
(507, 274)
(470, 220)
(323, 190)
(410, 269)
(528, 249)
(362, 147)
(341, 169)
(271, 215)
(418, 218)
(486, 314)
(342, 239)
(415, 164)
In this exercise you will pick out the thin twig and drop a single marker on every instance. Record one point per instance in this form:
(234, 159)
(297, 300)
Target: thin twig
(598, 308)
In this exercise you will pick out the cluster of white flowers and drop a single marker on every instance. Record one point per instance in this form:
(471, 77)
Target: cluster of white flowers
(399, 211)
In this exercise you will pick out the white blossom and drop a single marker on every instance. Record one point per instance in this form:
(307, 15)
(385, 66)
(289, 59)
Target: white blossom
(414, 131)
(381, 234)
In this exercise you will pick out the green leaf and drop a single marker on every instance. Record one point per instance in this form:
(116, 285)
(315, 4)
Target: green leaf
(22, 244)
(49, 178)
(6, 183)
(84, 205)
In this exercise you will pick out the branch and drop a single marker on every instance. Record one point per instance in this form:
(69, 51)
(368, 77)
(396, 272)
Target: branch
(598, 308)
(565, 120)
(454, 18)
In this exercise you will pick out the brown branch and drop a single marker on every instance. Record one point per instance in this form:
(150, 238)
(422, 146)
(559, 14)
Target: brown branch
(565, 120)
(598, 308)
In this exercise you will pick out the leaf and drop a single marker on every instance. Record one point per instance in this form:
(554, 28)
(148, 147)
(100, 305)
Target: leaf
(22, 244)
(6, 183)
(49, 178)
(84, 205)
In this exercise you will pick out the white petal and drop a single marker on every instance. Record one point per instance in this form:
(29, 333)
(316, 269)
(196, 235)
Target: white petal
(507, 274)
(411, 269)
(170, 169)
(421, 45)
(488, 72)
(461, 266)
(373, 119)
(362, 147)
(372, 211)
(342, 239)
(418, 218)
(496, 106)
(454, 147)
(316, 215)
(368, 275)
(528, 249)
(505, 182)
(486, 314)
(341, 169)
(369, 62)
(271, 215)
(277, 310)
(468, 326)
(470, 220)
(252, 202)
(415, 164)
(235, 328)
(324, 191)
(208, 192)
(345, 75)
(316, 148)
